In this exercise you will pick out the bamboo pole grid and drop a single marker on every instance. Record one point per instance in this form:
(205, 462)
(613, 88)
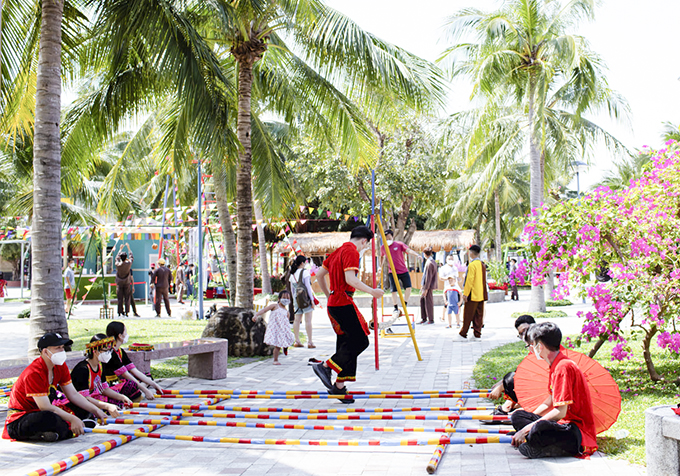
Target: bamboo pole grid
(178, 411)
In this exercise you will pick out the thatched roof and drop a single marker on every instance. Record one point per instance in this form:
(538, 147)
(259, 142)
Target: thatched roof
(319, 244)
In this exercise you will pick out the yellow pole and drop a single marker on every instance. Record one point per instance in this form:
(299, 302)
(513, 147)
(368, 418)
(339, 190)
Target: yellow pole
(401, 295)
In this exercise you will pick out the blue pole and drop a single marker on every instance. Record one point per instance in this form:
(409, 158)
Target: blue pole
(199, 284)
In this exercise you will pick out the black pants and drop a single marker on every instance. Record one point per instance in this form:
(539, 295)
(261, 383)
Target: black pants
(33, 423)
(426, 306)
(162, 293)
(548, 433)
(515, 295)
(123, 296)
(473, 313)
(350, 342)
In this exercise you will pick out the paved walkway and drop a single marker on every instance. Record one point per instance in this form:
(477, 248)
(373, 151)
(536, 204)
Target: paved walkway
(445, 365)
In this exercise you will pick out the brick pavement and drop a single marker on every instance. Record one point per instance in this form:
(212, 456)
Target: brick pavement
(445, 365)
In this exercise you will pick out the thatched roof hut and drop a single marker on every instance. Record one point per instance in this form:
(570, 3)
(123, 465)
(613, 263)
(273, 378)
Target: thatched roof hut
(321, 244)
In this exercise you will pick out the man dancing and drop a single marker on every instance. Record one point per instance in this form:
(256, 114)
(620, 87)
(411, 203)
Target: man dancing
(349, 325)
(564, 423)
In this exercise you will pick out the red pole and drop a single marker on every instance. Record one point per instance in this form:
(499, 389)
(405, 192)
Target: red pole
(376, 331)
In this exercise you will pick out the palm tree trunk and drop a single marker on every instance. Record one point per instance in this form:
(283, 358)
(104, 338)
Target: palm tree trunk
(549, 284)
(244, 196)
(262, 243)
(47, 302)
(228, 235)
(497, 205)
(537, 298)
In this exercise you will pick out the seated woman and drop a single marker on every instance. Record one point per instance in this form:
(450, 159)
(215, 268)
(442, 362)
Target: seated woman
(506, 386)
(33, 413)
(88, 378)
(121, 373)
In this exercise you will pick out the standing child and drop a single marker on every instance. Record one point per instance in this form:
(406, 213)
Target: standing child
(122, 372)
(452, 293)
(278, 332)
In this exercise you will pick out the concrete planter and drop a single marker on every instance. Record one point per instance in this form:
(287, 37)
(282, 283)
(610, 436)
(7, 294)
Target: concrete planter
(496, 296)
(662, 441)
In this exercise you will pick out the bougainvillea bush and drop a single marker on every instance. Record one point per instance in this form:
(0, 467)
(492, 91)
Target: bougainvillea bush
(628, 240)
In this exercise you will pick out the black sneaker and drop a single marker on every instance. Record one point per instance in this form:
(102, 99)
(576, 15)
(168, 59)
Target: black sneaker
(46, 436)
(89, 423)
(533, 452)
(499, 411)
(324, 374)
(341, 391)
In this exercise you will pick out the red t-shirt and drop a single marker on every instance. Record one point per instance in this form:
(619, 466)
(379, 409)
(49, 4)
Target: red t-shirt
(568, 386)
(397, 250)
(33, 382)
(343, 259)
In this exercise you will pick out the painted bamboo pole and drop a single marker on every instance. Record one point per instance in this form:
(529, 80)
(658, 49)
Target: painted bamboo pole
(331, 410)
(301, 426)
(441, 448)
(470, 440)
(315, 392)
(259, 416)
(352, 396)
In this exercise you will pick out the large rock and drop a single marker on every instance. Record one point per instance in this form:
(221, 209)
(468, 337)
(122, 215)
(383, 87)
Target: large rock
(246, 338)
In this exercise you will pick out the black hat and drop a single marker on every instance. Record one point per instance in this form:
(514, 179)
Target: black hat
(52, 339)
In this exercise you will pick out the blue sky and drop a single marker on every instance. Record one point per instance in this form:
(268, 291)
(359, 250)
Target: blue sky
(638, 41)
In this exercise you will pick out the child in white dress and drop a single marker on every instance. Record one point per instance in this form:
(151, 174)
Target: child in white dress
(278, 333)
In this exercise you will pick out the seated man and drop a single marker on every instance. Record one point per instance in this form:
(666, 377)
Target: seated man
(564, 423)
(31, 415)
(507, 385)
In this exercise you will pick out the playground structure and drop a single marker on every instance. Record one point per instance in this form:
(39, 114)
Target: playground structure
(154, 421)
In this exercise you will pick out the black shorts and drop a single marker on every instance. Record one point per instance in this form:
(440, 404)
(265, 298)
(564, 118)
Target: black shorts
(404, 281)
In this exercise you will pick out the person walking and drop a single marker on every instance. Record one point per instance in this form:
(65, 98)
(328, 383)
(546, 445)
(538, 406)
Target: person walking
(161, 279)
(180, 282)
(303, 299)
(349, 325)
(151, 286)
(397, 250)
(429, 284)
(69, 285)
(189, 278)
(474, 296)
(123, 271)
(514, 295)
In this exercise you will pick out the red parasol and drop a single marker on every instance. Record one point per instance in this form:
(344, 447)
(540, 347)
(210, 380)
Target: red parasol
(531, 387)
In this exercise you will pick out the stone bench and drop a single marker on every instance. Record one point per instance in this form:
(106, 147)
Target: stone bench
(662, 441)
(13, 367)
(207, 356)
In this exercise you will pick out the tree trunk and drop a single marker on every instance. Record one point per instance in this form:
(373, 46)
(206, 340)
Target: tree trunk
(596, 347)
(244, 196)
(400, 227)
(497, 242)
(537, 299)
(549, 285)
(228, 235)
(647, 354)
(262, 243)
(246, 51)
(47, 302)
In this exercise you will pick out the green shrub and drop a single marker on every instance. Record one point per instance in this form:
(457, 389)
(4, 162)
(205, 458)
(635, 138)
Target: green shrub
(561, 302)
(541, 315)
(25, 314)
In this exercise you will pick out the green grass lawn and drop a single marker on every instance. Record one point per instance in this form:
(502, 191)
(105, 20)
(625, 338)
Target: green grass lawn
(637, 392)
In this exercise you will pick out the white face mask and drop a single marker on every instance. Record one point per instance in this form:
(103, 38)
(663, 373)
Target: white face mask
(104, 357)
(389, 242)
(285, 302)
(59, 358)
(125, 339)
(537, 353)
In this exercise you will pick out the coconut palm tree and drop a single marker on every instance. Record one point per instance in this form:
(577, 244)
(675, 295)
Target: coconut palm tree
(525, 50)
